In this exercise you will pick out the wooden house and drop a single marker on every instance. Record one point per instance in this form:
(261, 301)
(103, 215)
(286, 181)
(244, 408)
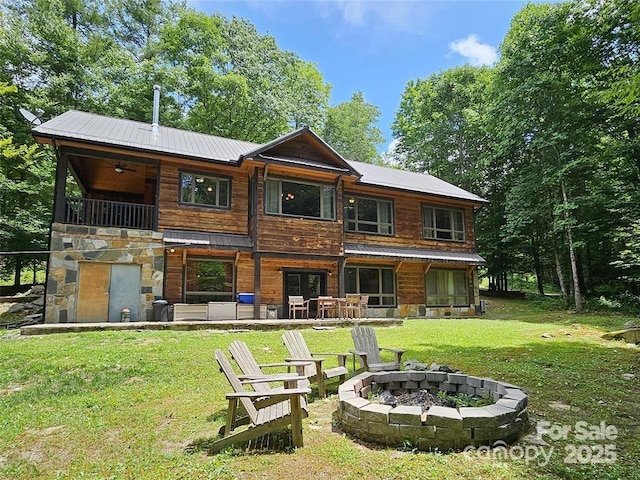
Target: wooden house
(158, 213)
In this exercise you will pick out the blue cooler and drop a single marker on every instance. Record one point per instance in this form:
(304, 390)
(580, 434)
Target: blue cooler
(245, 297)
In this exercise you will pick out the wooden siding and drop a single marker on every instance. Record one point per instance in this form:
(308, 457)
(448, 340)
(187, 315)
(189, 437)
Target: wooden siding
(411, 283)
(172, 214)
(407, 211)
(271, 276)
(174, 270)
(173, 276)
(282, 234)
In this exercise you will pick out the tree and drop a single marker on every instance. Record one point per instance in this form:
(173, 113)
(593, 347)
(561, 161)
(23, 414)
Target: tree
(441, 125)
(234, 82)
(27, 189)
(543, 76)
(350, 129)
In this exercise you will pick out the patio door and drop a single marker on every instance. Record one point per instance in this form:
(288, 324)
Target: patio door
(309, 284)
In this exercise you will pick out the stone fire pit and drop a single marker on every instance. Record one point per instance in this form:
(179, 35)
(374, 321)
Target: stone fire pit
(442, 428)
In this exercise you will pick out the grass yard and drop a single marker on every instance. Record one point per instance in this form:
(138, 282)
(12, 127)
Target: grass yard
(145, 405)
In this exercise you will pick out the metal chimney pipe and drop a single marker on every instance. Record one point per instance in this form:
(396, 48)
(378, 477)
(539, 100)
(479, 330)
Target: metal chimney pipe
(155, 127)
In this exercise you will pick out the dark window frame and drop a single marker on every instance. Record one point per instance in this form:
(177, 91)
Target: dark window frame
(381, 294)
(322, 206)
(349, 205)
(209, 176)
(227, 296)
(452, 299)
(439, 233)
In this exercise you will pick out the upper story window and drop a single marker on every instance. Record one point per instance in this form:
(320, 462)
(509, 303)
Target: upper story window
(205, 190)
(300, 199)
(442, 223)
(368, 215)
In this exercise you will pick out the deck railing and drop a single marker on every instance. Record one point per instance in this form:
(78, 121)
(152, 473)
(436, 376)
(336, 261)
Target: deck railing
(105, 213)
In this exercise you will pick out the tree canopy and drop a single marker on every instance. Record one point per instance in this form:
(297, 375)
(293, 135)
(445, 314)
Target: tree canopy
(549, 136)
(218, 76)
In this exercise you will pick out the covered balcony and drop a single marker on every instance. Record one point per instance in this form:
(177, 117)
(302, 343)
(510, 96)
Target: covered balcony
(106, 190)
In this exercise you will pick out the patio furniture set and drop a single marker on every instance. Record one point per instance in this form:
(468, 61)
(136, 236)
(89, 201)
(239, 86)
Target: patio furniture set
(351, 306)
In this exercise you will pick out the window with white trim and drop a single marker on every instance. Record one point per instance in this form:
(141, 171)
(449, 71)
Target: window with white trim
(197, 189)
(300, 199)
(442, 223)
(368, 215)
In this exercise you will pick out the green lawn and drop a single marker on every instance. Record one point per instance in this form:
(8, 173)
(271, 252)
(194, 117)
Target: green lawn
(145, 404)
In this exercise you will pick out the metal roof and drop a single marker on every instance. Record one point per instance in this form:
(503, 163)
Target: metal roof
(205, 239)
(408, 253)
(379, 176)
(89, 127)
(109, 131)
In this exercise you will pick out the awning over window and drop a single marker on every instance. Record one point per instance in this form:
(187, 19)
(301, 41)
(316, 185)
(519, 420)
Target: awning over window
(404, 253)
(207, 240)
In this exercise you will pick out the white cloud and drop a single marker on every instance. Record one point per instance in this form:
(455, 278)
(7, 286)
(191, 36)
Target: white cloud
(475, 51)
(400, 15)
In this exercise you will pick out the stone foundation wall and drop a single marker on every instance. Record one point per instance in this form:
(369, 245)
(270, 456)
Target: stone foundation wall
(441, 428)
(71, 244)
(422, 311)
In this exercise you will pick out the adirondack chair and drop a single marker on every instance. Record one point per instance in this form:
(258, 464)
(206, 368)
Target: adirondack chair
(299, 352)
(252, 370)
(288, 408)
(368, 351)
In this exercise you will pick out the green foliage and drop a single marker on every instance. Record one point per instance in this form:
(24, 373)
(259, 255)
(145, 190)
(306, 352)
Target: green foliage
(25, 182)
(441, 126)
(549, 136)
(350, 129)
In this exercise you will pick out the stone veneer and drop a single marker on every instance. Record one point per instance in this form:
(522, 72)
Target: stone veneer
(71, 244)
(441, 428)
(422, 311)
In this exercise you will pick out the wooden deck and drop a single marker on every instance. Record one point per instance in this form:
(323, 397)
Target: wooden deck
(234, 325)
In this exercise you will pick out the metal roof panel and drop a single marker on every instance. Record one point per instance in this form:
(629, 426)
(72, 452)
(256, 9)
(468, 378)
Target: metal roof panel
(377, 175)
(207, 239)
(378, 251)
(89, 127)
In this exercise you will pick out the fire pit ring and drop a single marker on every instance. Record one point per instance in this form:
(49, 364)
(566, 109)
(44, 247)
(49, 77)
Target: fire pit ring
(440, 428)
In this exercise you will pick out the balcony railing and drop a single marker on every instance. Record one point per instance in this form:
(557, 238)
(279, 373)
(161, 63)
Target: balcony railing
(105, 213)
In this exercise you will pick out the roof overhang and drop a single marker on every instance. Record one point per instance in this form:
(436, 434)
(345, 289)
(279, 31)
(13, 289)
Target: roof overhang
(217, 241)
(414, 254)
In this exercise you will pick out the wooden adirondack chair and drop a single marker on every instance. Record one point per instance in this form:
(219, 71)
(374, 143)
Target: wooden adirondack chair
(368, 351)
(252, 370)
(289, 410)
(299, 352)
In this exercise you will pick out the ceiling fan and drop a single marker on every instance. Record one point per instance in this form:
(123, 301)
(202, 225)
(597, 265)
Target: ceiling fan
(121, 168)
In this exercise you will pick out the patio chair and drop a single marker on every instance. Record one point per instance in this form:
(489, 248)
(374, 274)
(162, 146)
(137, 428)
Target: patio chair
(368, 351)
(328, 306)
(288, 409)
(364, 306)
(352, 305)
(297, 303)
(299, 352)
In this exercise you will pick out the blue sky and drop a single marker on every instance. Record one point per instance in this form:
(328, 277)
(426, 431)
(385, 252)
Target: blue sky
(377, 46)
